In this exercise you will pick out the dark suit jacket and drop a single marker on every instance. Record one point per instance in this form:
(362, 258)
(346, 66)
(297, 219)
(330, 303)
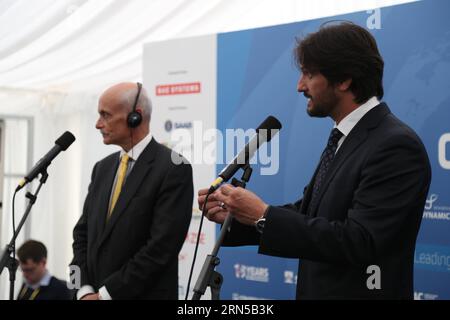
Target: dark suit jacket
(56, 290)
(369, 212)
(135, 254)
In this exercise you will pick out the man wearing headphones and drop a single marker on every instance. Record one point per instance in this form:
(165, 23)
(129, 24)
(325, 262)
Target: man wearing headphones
(138, 208)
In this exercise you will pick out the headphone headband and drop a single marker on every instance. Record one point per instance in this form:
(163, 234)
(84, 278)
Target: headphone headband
(135, 118)
(139, 85)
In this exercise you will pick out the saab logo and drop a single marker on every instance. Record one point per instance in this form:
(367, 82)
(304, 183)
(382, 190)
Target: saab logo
(424, 296)
(183, 125)
(374, 281)
(442, 151)
(251, 273)
(290, 277)
(179, 88)
(169, 125)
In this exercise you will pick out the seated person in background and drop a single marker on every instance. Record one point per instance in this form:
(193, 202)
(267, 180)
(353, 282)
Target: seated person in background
(39, 284)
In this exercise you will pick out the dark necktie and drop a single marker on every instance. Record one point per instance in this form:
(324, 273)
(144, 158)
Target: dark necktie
(28, 294)
(325, 163)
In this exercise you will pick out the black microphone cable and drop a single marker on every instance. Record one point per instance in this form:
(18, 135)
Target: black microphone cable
(14, 223)
(269, 124)
(196, 245)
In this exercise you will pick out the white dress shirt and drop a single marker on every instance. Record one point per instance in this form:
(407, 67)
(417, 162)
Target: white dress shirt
(349, 122)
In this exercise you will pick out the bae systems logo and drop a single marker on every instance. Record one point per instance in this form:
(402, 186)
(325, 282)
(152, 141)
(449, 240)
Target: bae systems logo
(169, 125)
(178, 88)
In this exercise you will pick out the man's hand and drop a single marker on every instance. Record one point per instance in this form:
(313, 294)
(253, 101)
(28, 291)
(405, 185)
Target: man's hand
(214, 211)
(91, 296)
(245, 206)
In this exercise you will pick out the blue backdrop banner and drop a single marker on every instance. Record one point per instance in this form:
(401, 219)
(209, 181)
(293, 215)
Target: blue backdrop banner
(257, 77)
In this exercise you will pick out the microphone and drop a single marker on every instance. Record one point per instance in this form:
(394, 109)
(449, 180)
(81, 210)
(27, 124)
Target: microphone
(61, 144)
(263, 134)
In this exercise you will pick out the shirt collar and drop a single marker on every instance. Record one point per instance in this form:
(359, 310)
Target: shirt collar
(350, 121)
(137, 150)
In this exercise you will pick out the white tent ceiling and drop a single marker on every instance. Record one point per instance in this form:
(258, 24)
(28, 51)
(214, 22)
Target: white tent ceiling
(82, 45)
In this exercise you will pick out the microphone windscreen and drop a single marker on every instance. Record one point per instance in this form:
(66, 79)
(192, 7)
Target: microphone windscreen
(271, 123)
(65, 140)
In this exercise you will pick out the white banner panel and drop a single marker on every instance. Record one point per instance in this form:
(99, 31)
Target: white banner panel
(180, 76)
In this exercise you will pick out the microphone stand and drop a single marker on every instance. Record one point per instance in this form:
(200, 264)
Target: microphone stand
(7, 260)
(208, 277)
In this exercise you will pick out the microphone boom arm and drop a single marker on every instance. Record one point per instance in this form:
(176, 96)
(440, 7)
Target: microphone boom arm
(6, 259)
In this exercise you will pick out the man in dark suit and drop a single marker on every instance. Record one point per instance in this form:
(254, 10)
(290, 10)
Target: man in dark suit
(138, 208)
(39, 284)
(355, 228)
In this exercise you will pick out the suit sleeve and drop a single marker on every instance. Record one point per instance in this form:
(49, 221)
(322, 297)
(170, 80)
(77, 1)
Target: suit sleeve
(293, 206)
(394, 181)
(171, 218)
(80, 234)
(243, 235)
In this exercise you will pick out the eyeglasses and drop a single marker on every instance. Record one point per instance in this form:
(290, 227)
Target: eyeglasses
(29, 269)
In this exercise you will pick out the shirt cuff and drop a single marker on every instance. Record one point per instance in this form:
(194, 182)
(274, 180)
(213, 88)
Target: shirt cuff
(104, 294)
(85, 290)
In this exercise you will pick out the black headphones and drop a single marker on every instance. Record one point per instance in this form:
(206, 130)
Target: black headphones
(135, 118)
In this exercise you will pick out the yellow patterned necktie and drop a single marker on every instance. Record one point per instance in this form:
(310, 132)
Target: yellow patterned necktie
(33, 294)
(120, 179)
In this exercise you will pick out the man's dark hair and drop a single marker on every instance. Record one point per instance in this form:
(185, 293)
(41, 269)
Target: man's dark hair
(33, 250)
(344, 51)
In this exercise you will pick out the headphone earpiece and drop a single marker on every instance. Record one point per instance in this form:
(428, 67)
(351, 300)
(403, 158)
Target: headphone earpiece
(134, 118)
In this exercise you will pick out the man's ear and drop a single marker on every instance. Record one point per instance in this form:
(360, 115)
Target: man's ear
(344, 85)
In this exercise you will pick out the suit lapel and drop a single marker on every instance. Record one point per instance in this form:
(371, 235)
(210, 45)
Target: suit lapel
(105, 193)
(134, 180)
(356, 137)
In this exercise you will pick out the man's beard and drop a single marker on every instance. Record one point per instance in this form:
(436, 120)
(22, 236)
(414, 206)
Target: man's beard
(322, 106)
